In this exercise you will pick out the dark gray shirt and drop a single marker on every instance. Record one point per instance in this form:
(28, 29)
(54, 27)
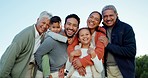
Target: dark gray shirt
(57, 52)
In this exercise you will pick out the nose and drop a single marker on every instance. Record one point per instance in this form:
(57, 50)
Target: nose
(71, 26)
(46, 26)
(108, 18)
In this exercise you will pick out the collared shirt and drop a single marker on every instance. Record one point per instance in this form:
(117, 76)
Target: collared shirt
(37, 43)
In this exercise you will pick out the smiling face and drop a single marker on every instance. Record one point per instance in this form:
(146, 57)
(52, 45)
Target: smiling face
(55, 27)
(84, 36)
(109, 17)
(93, 20)
(71, 26)
(42, 25)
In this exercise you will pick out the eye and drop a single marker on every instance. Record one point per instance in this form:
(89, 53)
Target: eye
(68, 23)
(97, 19)
(75, 25)
(87, 34)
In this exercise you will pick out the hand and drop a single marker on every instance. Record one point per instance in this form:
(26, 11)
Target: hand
(91, 52)
(74, 53)
(70, 40)
(81, 71)
(61, 73)
(50, 76)
(76, 63)
(104, 40)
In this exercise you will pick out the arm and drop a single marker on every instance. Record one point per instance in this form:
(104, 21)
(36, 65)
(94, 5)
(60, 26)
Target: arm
(57, 36)
(15, 52)
(127, 47)
(70, 47)
(44, 48)
(98, 64)
(8, 60)
(99, 50)
(75, 54)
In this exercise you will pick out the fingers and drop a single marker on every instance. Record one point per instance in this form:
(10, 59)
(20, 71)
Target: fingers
(82, 71)
(76, 63)
(104, 40)
(61, 73)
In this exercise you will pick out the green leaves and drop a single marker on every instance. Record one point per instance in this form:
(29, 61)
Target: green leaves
(142, 66)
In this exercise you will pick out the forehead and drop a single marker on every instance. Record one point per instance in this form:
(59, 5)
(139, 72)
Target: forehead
(55, 24)
(84, 31)
(72, 20)
(95, 15)
(108, 12)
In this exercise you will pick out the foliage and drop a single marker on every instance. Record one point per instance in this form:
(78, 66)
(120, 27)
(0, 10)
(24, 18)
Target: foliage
(142, 66)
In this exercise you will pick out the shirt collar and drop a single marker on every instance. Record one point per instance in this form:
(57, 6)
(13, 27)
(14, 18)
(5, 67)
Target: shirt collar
(37, 33)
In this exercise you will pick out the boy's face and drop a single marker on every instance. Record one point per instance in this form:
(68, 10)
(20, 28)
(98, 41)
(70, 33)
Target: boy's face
(84, 36)
(55, 27)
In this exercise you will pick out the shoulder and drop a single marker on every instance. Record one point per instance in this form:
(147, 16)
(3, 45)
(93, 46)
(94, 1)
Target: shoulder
(25, 34)
(101, 30)
(125, 27)
(51, 41)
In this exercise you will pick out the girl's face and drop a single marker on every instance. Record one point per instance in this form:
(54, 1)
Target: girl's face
(84, 36)
(55, 27)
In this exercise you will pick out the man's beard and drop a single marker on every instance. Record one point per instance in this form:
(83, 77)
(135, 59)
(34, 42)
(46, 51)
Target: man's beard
(67, 34)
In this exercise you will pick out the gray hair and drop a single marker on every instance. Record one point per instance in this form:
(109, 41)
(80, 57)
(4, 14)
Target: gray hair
(109, 7)
(45, 14)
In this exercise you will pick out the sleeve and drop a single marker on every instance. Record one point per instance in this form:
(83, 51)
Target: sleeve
(71, 47)
(57, 37)
(98, 64)
(128, 47)
(8, 60)
(99, 50)
(44, 48)
(86, 61)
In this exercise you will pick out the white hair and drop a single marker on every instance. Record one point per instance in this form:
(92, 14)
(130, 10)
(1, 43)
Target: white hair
(45, 14)
(109, 7)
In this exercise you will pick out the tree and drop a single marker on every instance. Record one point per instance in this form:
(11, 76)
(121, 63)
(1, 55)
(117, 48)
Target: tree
(142, 66)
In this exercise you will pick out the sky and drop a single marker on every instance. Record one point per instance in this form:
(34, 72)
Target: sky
(15, 15)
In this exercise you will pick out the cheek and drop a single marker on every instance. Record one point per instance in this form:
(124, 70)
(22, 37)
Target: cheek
(75, 29)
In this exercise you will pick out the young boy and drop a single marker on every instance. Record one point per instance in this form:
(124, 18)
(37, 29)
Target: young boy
(55, 30)
(84, 37)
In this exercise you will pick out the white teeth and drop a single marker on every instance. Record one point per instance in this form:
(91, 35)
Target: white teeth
(85, 39)
(91, 23)
(70, 31)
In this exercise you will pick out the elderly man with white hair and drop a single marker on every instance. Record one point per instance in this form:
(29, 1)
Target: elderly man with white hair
(17, 59)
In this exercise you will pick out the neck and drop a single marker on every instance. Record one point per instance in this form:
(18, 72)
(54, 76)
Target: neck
(92, 31)
(85, 45)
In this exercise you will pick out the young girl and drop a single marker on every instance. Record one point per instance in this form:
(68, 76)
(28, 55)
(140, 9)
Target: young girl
(84, 37)
(93, 22)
